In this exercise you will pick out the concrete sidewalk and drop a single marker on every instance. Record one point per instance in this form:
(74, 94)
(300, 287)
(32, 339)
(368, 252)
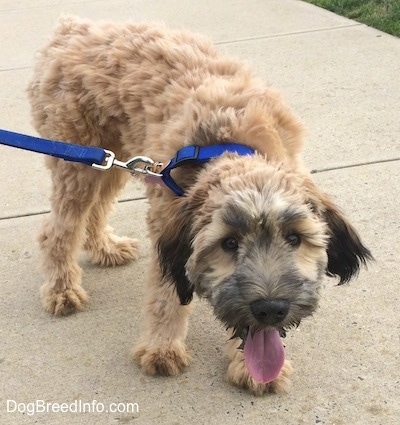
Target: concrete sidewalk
(343, 80)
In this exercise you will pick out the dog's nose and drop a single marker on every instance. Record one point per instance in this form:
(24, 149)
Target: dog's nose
(270, 312)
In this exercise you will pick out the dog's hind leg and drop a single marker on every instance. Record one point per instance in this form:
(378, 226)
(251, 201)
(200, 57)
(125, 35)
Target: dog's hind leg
(104, 247)
(75, 190)
(161, 349)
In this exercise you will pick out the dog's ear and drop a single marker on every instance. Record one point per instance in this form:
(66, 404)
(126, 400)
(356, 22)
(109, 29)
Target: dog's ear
(174, 250)
(346, 252)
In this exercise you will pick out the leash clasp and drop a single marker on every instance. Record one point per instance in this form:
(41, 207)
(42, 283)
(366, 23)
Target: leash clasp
(108, 161)
(149, 166)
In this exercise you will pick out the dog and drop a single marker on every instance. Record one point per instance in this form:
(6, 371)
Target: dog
(251, 233)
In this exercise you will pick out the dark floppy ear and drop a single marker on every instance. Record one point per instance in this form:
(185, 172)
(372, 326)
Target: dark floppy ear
(346, 252)
(174, 249)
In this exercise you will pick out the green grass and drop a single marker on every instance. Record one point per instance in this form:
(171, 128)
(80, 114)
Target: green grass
(381, 14)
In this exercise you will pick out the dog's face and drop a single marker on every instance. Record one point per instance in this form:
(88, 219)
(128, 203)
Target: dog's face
(255, 240)
(260, 259)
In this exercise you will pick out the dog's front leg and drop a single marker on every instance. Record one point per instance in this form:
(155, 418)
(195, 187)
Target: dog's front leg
(74, 191)
(161, 349)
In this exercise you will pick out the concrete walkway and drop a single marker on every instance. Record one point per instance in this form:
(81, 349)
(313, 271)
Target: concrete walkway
(343, 79)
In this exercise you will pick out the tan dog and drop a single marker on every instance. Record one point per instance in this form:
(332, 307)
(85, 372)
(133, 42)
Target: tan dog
(252, 233)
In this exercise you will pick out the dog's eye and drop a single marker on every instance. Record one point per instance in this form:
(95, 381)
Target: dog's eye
(230, 244)
(293, 239)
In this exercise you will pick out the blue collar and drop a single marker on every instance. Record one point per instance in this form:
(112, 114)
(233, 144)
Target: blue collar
(198, 155)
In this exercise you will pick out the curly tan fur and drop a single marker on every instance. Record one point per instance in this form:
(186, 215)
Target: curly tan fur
(142, 89)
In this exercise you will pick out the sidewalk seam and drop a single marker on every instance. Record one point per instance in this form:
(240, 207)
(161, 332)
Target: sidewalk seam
(287, 34)
(361, 164)
(20, 68)
(43, 212)
(141, 198)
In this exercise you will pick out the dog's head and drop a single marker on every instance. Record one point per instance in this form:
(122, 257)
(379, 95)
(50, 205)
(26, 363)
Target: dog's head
(255, 240)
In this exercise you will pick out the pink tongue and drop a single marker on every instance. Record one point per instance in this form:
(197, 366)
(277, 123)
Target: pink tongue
(264, 355)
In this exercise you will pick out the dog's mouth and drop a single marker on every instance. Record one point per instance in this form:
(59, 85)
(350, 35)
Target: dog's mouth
(264, 352)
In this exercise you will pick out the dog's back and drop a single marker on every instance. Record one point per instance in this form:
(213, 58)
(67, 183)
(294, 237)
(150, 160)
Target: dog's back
(107, 73)
(108, 84)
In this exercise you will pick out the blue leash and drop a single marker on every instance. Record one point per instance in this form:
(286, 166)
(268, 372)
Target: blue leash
(103, 159)
(85, 154)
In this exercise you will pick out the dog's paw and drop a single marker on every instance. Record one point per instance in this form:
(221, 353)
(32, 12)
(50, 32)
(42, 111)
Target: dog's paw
(168, 361)
(115, 251)
(65, 302)
(239, 376)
